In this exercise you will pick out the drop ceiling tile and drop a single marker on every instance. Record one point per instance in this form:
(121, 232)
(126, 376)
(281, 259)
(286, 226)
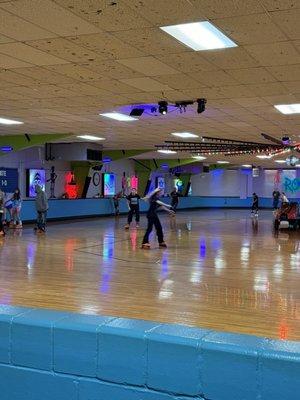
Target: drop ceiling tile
(19, 29)
(5, 39)
(249, 29)
(112, 69)
(76, 72)
(11, 62)
(107, 15)
(107, 46)
(84, 89)
(268, 89)
(114, 86)
(50, 16)
(292, 86)
(136, 98)
(179, 81)
(288, 21)
(150, 41)
(41, 75)
(251, 75)
(15, 79)
(188, 62)
(281, 53)
(149, 66)
(274, 5)
(231, 58)
(285, 72)
(228, 8)
(250, 101)
(29, 54)
(214, 78)
(146, 84)
(63, 49)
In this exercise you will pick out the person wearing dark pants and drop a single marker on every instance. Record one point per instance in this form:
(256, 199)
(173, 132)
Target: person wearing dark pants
(174, 198)
(41, 205)
(153, 219)
(134, 208)
(254, 208)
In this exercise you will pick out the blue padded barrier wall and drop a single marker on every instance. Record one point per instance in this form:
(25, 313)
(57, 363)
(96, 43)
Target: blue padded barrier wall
(52, 355)
(96, 207)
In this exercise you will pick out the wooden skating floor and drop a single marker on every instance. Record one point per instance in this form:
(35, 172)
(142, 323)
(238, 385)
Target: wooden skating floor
(222, 270)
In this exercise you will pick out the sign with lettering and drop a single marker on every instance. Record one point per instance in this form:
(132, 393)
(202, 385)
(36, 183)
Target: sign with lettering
(291, 185)
(9, 179)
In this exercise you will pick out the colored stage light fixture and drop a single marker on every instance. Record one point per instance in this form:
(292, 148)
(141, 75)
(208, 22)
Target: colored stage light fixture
(163, 107)
(201, 105)
(136, 112)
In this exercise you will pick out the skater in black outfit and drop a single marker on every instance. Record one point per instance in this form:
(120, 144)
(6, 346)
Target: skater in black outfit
(153, 219)
(174, 198)
(254, 208)
(134, 208)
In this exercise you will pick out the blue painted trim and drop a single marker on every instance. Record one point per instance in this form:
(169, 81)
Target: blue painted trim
(59, 355)
(63, 209)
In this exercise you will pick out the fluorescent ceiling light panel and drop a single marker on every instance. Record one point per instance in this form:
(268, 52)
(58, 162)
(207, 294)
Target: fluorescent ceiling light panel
(199, 158)
(222, 162)
(166, 151)
(247, 165)
(6, 121)
(199, 36)
(90, 137)
(288, 108)
(184, 135)
(119, 116)
(280, 161)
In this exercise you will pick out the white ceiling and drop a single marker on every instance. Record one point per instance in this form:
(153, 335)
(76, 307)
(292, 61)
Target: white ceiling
(64, 61)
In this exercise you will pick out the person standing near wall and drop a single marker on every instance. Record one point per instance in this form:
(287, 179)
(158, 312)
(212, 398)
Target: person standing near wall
(134, 207)
(16, 209)
(284, 199)
(254, 208)
(276, 197)
(174, 198)
(41, 205)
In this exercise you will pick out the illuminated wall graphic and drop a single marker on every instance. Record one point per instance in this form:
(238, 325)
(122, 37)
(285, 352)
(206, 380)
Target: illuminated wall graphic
(35, 177)
(134, 182)
(109, 184)
(178, 184)
(70, 186)
(160, 183)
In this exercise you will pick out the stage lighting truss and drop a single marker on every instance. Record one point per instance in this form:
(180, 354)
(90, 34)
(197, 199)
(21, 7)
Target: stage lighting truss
(228, 147)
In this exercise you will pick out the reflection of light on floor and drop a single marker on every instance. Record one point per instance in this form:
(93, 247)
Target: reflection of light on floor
(69, 252)
(295, 261)
(31, 252)
(166, 289)
(245, 252)
(261, 283)
(202, 249)
(164, 267)
(219, 262)
(133, 238)
(283, 331)
(196, 275)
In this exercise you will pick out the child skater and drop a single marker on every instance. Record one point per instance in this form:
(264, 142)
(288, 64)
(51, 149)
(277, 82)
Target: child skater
(254, 208)
(153, 219)
(134, 207)
(16, 209)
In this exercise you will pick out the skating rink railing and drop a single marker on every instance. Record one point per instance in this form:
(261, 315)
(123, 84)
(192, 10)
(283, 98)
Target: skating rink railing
(51, 355)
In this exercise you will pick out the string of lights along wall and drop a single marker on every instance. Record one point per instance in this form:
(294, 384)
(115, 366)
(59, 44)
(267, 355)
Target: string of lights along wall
(228, 147)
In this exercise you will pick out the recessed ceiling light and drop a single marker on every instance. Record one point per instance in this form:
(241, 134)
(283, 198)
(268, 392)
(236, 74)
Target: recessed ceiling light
(199, 36)
(119, 116)
(280, 161)
(184, 134)
(247, 165)
(166, 151)
(90, 137)
(6, 121)
(288, 108)
(222, 162)
(199, 158)
(264, 156)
